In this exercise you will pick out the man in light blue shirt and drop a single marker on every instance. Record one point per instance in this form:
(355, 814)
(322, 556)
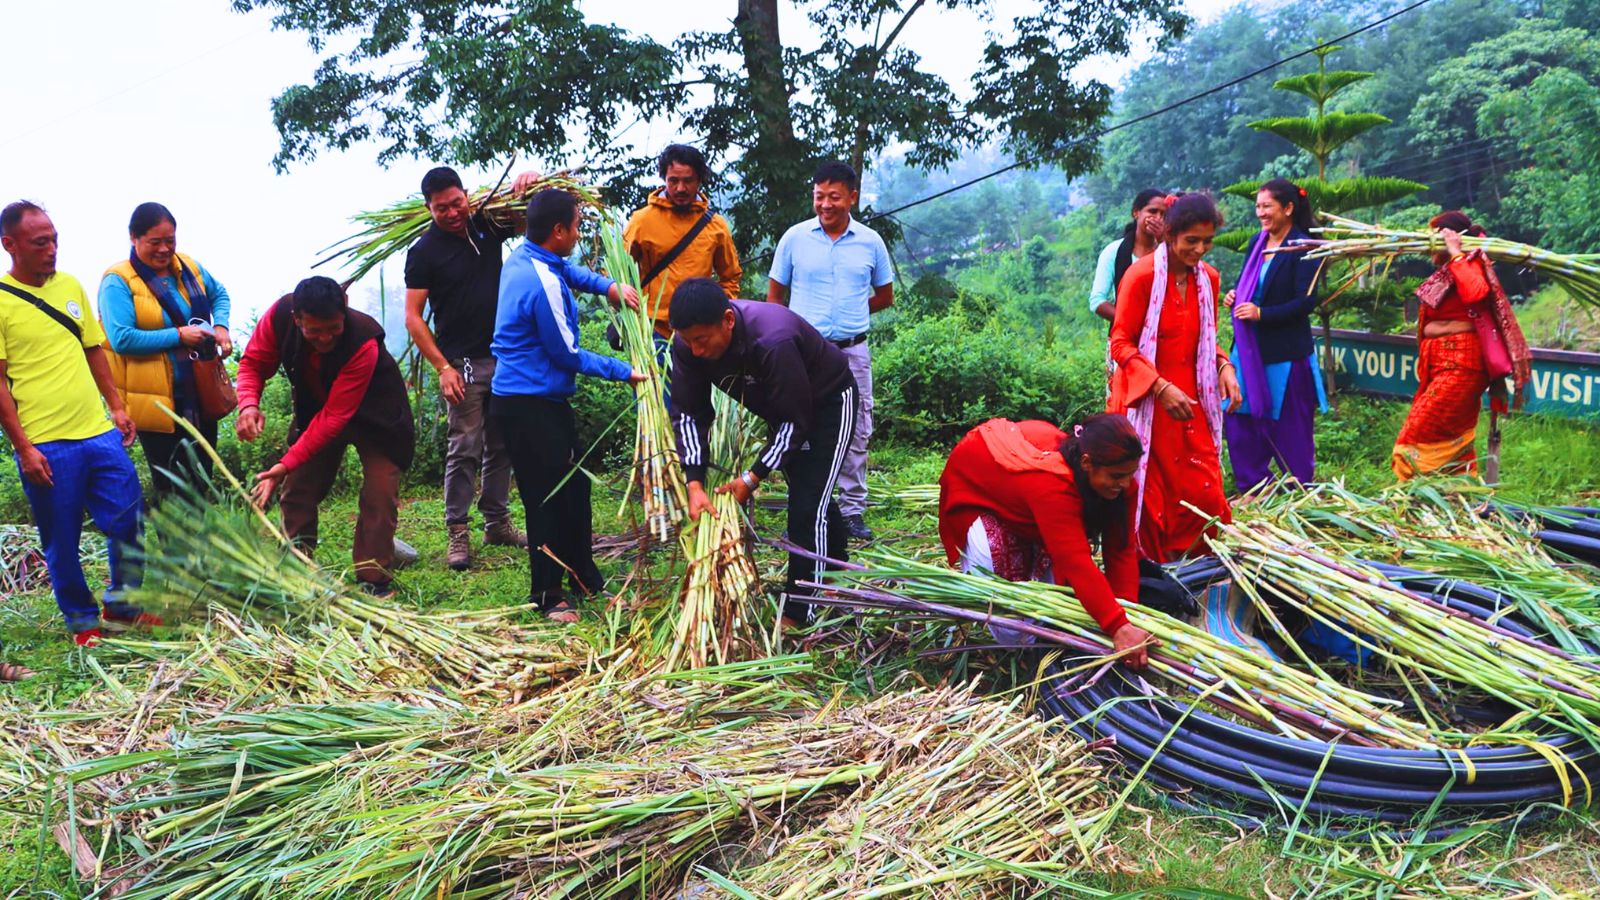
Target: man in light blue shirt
(835, 272)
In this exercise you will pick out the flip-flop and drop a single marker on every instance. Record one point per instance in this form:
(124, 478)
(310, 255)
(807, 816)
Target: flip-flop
(562, 612)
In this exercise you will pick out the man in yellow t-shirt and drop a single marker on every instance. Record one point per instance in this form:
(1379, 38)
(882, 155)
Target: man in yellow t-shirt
(53, 376)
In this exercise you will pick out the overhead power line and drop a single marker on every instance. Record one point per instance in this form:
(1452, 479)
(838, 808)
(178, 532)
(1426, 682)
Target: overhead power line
(1096, 135)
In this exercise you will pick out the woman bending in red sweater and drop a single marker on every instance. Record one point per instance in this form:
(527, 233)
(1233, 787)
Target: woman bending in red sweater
(1028, 502)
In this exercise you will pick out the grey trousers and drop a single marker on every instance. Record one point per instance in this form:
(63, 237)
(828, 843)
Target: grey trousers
(853, 474)
(474, 448)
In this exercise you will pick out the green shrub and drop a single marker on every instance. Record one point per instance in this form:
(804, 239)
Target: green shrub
(942, 375)
(604, 408)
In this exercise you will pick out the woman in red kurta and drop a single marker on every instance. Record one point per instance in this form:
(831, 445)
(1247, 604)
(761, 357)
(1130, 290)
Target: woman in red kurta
(1171, 380)
(1453, 369)
(1028, 503)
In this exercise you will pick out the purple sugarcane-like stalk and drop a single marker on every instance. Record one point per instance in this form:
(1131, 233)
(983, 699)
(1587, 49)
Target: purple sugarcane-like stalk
(886, 600)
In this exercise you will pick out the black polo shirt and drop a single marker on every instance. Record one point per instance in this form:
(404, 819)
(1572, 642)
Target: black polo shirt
(462, 278)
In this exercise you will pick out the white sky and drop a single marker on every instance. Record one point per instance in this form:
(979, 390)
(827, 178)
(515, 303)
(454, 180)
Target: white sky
(97, 93)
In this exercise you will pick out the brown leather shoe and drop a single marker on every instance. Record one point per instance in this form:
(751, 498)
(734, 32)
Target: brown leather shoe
(459, 556)
(504, 534)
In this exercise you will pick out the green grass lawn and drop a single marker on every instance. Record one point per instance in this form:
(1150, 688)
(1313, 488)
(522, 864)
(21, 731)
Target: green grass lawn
(1545, 461)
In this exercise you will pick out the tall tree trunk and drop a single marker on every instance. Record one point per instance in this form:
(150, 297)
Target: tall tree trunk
(776, 161)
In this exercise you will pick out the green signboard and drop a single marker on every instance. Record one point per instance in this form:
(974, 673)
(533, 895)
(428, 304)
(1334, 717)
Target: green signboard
(1564, 383)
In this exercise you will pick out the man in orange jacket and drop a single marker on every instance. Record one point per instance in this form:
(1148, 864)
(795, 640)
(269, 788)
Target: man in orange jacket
(676, 236)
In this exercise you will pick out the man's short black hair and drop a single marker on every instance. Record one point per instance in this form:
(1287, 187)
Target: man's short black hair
(697, 301)
(319, 297)
(546, 210)
(683, 155)
(834, 171)
(12, 215)
(441, 179)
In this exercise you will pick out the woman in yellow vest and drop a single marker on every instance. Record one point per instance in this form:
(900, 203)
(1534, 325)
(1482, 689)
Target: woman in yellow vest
(157, 306)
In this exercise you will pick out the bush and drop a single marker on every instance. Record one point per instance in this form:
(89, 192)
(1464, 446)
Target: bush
(604, 409)
(942, 375)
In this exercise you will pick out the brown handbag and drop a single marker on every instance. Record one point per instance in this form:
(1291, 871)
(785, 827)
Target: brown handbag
(213, 389)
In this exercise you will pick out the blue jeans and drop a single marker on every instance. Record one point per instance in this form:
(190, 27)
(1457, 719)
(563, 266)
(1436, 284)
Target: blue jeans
(93, 475)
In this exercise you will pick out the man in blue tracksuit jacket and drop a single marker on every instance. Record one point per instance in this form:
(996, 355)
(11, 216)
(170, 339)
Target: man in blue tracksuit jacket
(537, 360)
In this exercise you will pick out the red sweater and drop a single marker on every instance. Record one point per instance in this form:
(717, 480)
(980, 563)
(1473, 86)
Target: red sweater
(1042, 506)
(260, 361)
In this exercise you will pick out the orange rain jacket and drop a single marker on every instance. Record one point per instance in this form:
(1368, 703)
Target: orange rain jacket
(656, 228)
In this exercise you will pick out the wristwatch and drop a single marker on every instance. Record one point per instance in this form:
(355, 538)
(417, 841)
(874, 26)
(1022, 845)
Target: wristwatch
(750, 480)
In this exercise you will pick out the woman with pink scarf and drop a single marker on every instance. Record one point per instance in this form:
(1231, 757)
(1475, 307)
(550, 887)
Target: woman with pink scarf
(1172, 381)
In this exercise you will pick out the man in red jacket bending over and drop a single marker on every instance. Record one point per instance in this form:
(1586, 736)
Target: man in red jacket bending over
(347, 391)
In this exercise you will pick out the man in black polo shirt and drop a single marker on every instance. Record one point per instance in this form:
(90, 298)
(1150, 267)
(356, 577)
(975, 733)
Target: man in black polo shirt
(455, 268)
(779, 367)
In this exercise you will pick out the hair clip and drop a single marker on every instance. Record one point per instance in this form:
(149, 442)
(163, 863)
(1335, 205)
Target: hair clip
(1077, 431)
(1302, 192)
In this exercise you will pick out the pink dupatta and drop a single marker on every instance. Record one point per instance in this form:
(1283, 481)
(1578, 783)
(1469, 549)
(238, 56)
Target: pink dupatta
(1142, 413)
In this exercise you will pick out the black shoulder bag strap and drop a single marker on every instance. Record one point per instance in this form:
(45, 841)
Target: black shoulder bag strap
(39, 304)
(613, 337)
(677, 250)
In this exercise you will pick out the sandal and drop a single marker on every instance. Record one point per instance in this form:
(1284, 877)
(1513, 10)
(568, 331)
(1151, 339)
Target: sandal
(14, 672)
(563, 612)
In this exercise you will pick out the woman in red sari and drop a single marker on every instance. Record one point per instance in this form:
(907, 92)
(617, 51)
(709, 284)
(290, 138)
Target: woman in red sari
(1028, 502)
(1172, 380)
(1462, 304)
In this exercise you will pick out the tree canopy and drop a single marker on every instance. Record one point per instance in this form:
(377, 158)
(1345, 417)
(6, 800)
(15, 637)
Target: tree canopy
(471, 81)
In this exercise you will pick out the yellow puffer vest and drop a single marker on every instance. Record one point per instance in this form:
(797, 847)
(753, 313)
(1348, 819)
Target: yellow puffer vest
(144, 381)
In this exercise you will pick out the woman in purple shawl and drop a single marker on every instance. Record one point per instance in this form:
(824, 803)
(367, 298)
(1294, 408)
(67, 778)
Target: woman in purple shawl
(1272, 349)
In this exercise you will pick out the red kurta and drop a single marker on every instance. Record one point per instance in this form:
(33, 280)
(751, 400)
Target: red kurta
(1185, 464)
(1470, 290)
(1040, 506)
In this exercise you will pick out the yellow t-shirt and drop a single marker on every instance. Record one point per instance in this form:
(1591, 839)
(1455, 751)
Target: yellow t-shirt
(56, 396)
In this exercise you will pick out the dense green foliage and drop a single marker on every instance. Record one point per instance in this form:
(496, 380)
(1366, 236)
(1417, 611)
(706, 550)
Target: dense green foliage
(473, 81)
(1457, 79)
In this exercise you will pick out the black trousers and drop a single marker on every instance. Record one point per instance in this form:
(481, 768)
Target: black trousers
(169, 456)
(541, 438)
(815, 522)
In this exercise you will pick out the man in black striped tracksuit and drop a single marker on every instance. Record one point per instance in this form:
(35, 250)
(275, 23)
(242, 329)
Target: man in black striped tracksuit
(780, 368)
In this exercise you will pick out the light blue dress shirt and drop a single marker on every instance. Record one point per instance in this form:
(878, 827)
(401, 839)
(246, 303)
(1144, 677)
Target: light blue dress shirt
(831, 281)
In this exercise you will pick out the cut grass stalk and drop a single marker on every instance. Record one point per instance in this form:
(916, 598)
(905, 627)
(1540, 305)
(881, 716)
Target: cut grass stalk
(392, 229)
(657, 474)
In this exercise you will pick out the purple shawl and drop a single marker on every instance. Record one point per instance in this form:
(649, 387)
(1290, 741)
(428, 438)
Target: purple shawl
(1252, 372)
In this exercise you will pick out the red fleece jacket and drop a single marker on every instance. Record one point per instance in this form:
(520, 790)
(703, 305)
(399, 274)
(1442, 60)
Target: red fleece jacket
(260, 362)
(1041, 506)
